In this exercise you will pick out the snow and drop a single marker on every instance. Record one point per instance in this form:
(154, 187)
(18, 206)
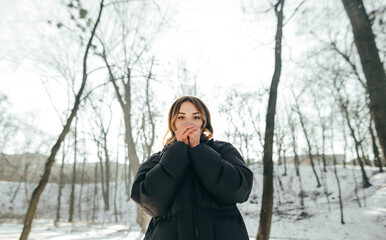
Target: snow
(45, 229)
(317, 220)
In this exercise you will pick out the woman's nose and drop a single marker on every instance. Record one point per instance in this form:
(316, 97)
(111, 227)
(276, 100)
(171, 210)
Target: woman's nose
(188, 120)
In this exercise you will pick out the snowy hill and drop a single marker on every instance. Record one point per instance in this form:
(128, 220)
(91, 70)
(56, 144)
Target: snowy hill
(319, 218)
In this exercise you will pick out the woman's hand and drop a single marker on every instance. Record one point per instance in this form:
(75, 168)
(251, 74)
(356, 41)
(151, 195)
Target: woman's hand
(183, 132)
(194, 137)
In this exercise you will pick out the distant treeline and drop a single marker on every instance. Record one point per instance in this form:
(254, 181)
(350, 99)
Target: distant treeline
(30, 166)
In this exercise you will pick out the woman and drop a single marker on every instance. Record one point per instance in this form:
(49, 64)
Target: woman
(191, 187)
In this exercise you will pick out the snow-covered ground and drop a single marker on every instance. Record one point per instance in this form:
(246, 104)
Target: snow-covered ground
(45, 229)
(318, 219)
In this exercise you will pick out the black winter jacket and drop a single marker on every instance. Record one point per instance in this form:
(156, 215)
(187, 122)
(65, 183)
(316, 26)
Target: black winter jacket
(191, 193)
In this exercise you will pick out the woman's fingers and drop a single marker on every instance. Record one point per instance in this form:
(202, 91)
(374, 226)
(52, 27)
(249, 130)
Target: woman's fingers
(183, 129)
(188, 128)
(188, 132)
(194, 138)
(183, 132)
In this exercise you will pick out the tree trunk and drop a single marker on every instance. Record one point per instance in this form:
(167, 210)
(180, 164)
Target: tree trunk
(336, 173)
(277, 182)
(296, 158)
(375, 148)
(301, 194)
(72, 196)
(285, 164)
(102, 176)
(61, 183)
(345, 146)
(307, 140)
(125, 103)
(81, 188)
(323, 126)
(343, 106)
(365, 159)
(95, 200)
(107, 173)
(126, 179)
(365, 179)
(116, 189)
(16, 191)
(356, 187)
(51, 159)
(323, 152)
(325, 187)
(371, 65)
(25, 174)
(267, 200)
(129, 179)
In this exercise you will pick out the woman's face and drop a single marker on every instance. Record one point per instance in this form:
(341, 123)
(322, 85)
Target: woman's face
(189, 114)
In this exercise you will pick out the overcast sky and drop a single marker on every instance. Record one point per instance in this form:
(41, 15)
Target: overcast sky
(220, 43)
(213, 37)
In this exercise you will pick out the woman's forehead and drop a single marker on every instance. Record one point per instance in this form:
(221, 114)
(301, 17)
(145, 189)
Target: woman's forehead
(188, 107)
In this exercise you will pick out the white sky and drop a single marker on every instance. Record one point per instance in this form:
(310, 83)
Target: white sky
(212, 37)
(215, 38)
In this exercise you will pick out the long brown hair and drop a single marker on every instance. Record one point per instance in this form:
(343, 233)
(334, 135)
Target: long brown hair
(207, 133)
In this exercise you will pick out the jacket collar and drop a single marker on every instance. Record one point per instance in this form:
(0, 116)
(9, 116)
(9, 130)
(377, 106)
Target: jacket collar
(207, 141)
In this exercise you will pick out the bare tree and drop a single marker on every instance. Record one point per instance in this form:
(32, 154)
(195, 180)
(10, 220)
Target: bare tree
(303, 124)
(72, 195)
(104, 133)
(148, 127)
(124, 100)
(149, 118)
(82, 180)
(61, 185)
(348, 59)
(95, 199)
(281, 148)
(104, 159)
(371, 64)
(375, 147)
(343, 106)
(116, 187)
(51, 159)
(323, 126)
(126, 56)
(336, 171)
(267, 200)
(345, 143)
(237, 104)
(102, 121)
(292, 126)
(98, 143)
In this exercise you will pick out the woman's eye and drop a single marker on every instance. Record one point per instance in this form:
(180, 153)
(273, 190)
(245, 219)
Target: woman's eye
(180, 117)
(196, 117)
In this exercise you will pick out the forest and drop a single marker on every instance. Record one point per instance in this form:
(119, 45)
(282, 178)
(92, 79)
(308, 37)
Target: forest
(298, 87)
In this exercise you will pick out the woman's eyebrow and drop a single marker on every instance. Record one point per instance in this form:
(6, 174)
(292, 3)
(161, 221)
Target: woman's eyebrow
(192, 114)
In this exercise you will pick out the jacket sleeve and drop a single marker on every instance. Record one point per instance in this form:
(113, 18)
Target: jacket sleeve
(224, 175)
(158, 180)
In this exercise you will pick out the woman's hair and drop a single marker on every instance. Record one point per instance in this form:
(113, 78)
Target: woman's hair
(207, 132)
